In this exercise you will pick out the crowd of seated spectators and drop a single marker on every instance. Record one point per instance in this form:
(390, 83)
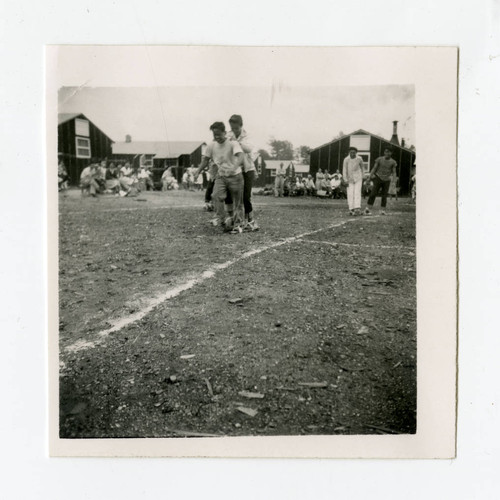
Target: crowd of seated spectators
(118, 178)
(326, 186)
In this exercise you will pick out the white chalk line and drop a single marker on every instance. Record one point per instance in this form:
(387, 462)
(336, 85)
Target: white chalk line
(359, 245)
(119, 323)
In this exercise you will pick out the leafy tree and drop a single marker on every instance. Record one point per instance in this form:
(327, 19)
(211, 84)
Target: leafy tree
(281, 150)
(264, 154)
(305, 154)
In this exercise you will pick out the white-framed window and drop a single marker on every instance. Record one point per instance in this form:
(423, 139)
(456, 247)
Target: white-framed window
(361, 142)
(273, 172)
(82, 127)
(82, 147)
(146, 160)
(366, 161)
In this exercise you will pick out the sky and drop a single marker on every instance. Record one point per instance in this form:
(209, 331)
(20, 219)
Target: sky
(302, 115)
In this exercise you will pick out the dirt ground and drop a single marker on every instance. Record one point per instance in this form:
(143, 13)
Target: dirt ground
(311, 334)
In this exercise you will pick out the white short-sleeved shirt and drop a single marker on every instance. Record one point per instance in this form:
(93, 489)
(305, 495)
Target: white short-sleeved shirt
(247, 147)
(223, 155)
(353, 169)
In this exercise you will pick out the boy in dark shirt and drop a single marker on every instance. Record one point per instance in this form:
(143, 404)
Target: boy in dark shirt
(381, 174)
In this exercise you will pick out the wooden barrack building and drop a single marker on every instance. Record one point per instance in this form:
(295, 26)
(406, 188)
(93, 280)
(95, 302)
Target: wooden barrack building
(78, 142)
(330, 156)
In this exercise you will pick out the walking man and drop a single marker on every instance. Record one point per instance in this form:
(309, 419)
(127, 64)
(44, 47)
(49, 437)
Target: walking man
(280, 180)
(239, 134)
(353, 175)
(381, 174)
(227, 156)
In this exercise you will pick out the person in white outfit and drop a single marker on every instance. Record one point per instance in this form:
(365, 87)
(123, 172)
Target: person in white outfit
(353, 175)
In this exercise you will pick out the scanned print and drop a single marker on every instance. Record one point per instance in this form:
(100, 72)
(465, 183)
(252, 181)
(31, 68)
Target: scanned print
(236, 252)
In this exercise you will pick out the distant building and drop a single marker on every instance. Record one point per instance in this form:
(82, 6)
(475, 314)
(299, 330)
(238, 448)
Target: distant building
(330, 156)
(160, 154)
(268, 173)
(78, 141)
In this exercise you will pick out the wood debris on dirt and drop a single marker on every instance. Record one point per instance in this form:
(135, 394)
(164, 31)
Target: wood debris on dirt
(209, 387)
(247, 411)
(193, 434)
(314, 384)
(251, 395)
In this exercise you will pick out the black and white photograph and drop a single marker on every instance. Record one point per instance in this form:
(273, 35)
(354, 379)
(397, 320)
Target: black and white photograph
(234, 260)
(220, 277)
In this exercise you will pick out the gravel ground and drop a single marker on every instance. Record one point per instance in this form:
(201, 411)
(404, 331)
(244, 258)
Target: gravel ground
(315, 336)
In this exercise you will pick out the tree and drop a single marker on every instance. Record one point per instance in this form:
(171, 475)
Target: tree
(264, 154)
(281, 150)
(305, 154)
(339, 135)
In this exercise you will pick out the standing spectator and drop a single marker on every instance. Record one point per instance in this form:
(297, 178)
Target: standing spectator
(280, 180)
(320, 177)
(191, 183)
(199, 182)
(335, 183)
(185, 180)
(393, 187)
(353, 175)
(384, 167)
(88, 179)
(239, 134)
(414, 189)
(62, 176)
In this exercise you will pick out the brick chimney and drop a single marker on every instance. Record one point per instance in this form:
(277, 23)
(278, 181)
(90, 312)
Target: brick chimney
(394, 138)
(128, 138)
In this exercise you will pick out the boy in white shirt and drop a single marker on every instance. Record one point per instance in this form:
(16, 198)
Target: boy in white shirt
(227, 156)
(353, 175)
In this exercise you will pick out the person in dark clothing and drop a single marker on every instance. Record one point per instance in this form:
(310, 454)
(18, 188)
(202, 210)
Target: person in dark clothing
(381, 174)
